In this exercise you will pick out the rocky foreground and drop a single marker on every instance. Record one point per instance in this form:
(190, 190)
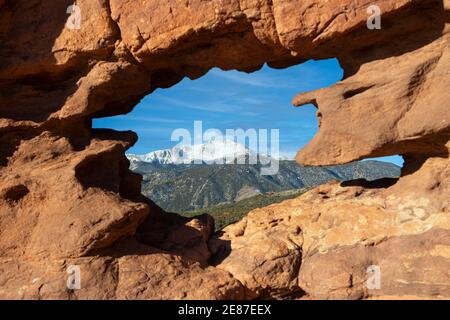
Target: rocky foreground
(67, 197)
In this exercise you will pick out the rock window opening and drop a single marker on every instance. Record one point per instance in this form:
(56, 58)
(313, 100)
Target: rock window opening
(224, 100)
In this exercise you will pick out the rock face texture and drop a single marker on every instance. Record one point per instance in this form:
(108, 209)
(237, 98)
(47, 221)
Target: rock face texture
(67, 197)
(321, 245)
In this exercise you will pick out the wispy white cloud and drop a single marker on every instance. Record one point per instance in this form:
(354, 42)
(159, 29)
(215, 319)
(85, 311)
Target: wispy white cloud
(253, 100)
(191, 105)
(214, 106)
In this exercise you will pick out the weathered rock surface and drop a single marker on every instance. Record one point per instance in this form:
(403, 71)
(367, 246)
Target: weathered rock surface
(321, 244)
(67, 196)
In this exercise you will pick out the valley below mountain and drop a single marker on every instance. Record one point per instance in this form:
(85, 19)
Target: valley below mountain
(229, 213)
(188, 187)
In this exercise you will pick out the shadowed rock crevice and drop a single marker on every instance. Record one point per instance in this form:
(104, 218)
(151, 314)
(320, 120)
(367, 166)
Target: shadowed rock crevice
(354, 92)
(376, 184)
(15, 193)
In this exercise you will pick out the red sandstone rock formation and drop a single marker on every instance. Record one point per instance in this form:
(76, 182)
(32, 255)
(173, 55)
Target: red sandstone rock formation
(68, 198)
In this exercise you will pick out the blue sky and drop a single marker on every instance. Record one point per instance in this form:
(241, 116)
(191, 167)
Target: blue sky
(232, 100)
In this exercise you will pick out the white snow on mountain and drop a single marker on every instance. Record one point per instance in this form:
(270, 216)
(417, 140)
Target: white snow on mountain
(214, 151)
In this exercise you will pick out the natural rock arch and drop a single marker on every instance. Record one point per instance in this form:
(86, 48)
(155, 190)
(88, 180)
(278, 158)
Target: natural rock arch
(67, 196)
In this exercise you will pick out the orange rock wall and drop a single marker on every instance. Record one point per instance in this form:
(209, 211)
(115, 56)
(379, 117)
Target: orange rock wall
(67, 196)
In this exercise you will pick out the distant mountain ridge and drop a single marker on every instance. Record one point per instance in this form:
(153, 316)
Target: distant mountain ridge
(187, 187)
(209, 153)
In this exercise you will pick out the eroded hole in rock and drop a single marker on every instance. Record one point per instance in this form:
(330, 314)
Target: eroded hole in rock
(192, 121)
(376, 173)
(354, 92)
(15, 193)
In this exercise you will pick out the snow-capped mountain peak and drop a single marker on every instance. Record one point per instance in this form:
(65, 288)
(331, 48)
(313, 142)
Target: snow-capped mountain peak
(214, 151)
